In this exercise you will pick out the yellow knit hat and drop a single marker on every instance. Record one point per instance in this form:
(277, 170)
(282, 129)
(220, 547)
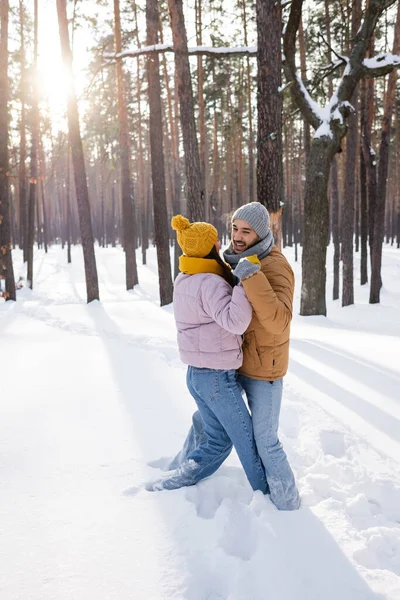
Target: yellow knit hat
(195, 239)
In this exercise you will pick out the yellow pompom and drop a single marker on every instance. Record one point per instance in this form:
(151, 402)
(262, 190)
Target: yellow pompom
(179, 223)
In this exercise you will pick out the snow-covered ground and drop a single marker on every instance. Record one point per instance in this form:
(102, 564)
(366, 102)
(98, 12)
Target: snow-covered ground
(90, 395)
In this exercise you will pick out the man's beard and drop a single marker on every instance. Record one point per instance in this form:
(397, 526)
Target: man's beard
(244, 246)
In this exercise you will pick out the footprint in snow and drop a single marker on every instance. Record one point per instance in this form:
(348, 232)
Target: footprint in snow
(381, 551)
(333, 442)
(206, 501)
(383, 498)
(240, 536)
(362, 512)
(131, 491)
(208, 495)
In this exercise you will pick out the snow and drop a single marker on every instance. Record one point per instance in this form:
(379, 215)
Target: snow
(91, 394)
(332, 110)
(381, 60)
(249, 50)
(314, 106)
(282, 88)
(324, 130)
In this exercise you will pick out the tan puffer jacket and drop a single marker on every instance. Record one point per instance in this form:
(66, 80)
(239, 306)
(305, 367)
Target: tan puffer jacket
(266, 341)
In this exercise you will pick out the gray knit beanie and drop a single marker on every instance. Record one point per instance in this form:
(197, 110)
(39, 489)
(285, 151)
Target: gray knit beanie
(256, 216)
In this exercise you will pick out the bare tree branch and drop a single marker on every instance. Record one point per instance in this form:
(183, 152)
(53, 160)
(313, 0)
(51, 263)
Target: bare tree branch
(196, 51)
(326, 71)
(355, 70)
(342, 59)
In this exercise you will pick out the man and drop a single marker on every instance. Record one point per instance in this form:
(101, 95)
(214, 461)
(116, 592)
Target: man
(268, 281)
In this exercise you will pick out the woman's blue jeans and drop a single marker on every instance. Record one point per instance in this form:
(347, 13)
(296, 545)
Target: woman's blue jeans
(264, 399)
(222, 420)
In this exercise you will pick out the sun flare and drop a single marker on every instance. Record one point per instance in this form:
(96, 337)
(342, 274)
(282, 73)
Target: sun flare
(53, 78)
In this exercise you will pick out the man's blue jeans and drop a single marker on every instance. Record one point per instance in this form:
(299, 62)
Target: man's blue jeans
(222, 420)
(264, 399)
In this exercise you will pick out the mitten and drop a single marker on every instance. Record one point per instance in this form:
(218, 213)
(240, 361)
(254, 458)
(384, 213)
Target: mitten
(245, 268)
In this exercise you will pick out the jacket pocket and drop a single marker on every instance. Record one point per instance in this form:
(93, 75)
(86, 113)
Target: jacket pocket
(250, 348)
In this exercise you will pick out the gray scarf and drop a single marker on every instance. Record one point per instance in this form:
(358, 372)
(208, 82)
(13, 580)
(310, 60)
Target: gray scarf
(262, 249)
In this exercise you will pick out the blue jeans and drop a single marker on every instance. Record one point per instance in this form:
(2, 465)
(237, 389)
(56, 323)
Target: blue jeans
(222, 420)
(264, 399)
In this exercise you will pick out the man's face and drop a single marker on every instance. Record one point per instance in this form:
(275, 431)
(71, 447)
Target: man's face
(243, 236)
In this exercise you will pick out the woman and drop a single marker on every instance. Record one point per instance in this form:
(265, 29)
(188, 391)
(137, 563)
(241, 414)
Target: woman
(211, 314)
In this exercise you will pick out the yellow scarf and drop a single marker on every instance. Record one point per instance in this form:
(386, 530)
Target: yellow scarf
(190, 265)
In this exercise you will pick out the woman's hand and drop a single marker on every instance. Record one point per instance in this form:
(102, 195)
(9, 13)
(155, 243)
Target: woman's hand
(247, 267)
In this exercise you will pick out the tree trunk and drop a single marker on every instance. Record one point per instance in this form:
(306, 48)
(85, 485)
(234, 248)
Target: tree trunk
(376, 279)
(347, 224)
(195, 191)
(357, 206)
(334, 185)
(335, 229)
(161, 225)
(141, 167)
(6, 265)
(43, 196)
(239, 141)
(364, 221)
(316, 228)
(303, 71)
(68, 206)
(215, 169)
(175, 172)
(23, 219)
(363, 184)
(269, 107)
(369, 153)
(126, 184)
(78, 161)
(202, 112)
(113, 217)
(33, 181)
(396, 217)
(249, 110)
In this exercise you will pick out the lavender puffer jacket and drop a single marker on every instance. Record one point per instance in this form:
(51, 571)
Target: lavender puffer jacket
(211, 318)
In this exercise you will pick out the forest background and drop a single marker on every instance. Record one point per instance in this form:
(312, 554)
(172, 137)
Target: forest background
(115, 115)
